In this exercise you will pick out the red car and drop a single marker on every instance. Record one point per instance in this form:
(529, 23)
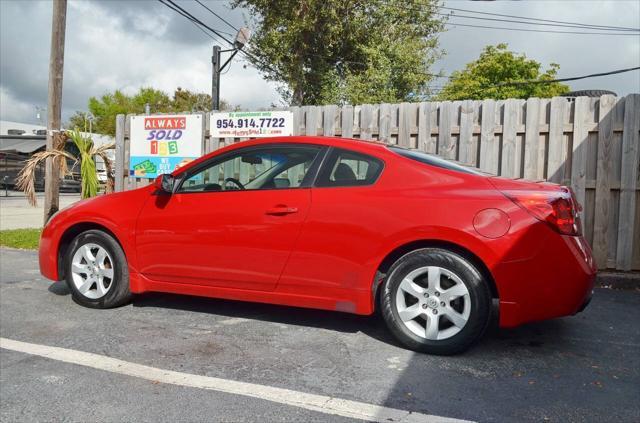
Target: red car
(334, 224)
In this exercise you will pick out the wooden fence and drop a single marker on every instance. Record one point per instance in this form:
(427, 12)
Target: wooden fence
(590, 144)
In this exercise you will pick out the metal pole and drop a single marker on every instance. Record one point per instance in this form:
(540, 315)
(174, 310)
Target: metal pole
(54, 107)
(215, 78)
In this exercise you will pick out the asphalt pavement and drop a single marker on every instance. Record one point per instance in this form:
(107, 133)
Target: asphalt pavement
(581, 368)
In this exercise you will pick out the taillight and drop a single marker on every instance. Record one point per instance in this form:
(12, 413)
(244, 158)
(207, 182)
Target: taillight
(559, 209)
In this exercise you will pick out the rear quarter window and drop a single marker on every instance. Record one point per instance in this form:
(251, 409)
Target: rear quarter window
(348, 168)
(429, 159)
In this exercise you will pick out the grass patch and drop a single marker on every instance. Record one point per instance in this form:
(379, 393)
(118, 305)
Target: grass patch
(27, 239)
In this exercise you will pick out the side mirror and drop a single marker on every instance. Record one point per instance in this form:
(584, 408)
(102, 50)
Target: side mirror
(164, 183)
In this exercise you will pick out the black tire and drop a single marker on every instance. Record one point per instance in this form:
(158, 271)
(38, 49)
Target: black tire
(467, 273)
(588, 93)
(118, 292)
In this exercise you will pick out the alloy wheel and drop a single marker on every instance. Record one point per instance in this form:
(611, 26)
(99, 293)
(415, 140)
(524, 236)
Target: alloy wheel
(92, 271)
(433, 303)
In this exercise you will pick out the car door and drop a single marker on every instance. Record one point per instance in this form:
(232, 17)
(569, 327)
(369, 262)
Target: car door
(344, 227)
(231, 222)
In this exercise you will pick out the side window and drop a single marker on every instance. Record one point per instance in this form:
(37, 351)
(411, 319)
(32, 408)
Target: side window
(347, 168)
(254, 169)
(292, 177)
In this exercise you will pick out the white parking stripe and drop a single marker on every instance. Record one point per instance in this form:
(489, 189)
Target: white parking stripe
(319, 403)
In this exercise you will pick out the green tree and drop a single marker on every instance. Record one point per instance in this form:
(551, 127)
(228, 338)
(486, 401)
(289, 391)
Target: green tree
(337, 51)
(107, 107)
(496, 65)
(188, 101)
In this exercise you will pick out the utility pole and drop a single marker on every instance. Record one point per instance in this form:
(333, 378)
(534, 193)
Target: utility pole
(215, 78)
(54, 107)
(242, 37)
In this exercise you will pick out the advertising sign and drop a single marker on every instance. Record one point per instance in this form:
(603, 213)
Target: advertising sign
(161, 144)
(251, 124)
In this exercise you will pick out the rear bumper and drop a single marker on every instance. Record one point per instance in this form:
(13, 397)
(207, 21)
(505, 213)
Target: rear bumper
(556, 281)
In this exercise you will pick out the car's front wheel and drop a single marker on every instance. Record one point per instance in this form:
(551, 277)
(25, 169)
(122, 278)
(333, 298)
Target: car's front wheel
(96, 271)
(435, 301)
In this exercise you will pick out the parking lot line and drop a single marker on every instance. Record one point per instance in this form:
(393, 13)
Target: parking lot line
(313, 402)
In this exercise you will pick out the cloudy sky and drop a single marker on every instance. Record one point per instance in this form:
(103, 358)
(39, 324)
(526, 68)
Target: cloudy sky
(114, 44)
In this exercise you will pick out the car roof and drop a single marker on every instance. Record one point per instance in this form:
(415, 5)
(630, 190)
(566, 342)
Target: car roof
(363, 146)
(328, 141)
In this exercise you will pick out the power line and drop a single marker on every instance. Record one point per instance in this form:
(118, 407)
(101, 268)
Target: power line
(451, 15)
(418, 8)
(191, 19)
(216, 15)
(201, 25)
(542, 20)
(573, 78)
(537, 30)
(619, 30)
(194, 19)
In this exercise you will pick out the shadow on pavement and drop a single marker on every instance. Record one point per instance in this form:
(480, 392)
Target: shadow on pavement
(59, 288)
(372, 326)
(494, 342)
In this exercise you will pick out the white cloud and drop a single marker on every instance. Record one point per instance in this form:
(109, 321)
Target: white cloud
(103, 54)
(14, 109)
(128, 44)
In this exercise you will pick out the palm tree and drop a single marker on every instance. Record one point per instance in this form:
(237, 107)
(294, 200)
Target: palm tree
(87, 151)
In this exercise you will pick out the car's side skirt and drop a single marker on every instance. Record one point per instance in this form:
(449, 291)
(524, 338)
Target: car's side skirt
(336, 299)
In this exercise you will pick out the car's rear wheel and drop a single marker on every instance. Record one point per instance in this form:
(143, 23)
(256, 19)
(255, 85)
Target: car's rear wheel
(435, 301)
(96, 271)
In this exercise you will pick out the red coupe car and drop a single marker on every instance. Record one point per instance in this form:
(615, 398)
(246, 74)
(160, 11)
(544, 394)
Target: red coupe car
(335, 224)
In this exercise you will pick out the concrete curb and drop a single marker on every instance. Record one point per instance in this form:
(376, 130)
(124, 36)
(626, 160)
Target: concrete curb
(618, 280)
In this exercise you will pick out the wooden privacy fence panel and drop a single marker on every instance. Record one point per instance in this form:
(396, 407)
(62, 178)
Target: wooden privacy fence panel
(590, 144)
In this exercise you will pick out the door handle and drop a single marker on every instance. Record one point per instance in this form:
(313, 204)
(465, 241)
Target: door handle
(281, 210)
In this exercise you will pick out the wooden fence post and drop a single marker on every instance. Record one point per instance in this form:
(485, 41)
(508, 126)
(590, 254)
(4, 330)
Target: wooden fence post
(532, 138)
(384, 123)
(347, 121)
(465, 142)
(628, 182)
(510, 165)
(579, 149)
(366, 121)
(329, 120)
(603, 185)
(489, 145)
(557, 148)
(446, 146)
(425, 142)
(119, 156)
